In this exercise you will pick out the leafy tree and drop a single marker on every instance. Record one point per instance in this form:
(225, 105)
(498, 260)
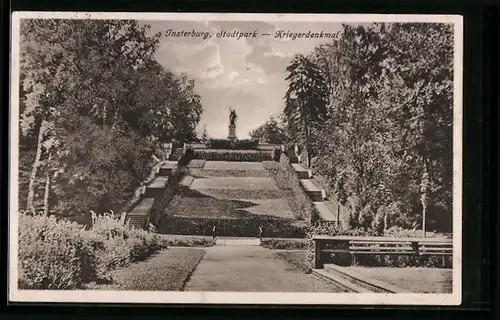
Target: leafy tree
(94, 106)
(270, 132)
(204, 135)
(386, 146)
(305, 100)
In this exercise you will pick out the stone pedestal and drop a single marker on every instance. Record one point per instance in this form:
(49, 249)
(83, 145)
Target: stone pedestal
(232, 133)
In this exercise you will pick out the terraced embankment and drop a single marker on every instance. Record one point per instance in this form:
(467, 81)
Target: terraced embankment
(237, 197)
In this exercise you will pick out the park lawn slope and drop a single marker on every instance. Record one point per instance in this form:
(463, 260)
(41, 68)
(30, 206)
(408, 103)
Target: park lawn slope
(167, 271)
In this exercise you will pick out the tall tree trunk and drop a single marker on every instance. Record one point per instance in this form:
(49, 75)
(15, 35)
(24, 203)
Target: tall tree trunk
(115, 118)
(308, 147)
(423, 196)
(104, 113)
(47, 188)
(34, 170)
(385, 221)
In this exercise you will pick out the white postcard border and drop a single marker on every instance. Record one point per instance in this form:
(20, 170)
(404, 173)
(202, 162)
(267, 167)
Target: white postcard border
(96, 296)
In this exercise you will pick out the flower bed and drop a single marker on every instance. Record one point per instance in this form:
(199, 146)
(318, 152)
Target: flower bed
(58, 254)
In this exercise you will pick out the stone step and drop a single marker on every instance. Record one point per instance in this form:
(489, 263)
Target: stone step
(362, 282)
(139, 224)
(174, 157)
(312, 191)
(302, 173)
(165, 172)
(142, 208)
(156, 187)
(167, 168)
(332, 277)
(324, 213)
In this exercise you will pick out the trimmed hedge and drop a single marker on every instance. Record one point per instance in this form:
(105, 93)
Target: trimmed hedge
(285, 244)
(161, 203)
(287, 179)
(232, 155)
(236, 145)
(232, 227)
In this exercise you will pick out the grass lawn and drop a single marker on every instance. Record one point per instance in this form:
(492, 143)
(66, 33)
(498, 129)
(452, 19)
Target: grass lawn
(228, 165)
(196, 163)
(247, 183)
(421, 280)
(169, 270)
(294, 257)
(270, 165)
(245, 194)
(212, 207)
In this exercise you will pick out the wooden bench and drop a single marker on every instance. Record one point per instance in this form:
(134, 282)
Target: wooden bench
(355, 246)
(382, 247)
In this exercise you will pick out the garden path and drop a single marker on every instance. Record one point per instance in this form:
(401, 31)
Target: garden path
(251, 268)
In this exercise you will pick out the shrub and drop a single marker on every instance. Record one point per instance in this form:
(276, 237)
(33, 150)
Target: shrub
(399, 232)
(58, 254)
(54, 254)
(232, 155)
(232, 227)
(236, 145)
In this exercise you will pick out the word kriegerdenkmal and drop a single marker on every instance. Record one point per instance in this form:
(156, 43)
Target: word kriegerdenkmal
(309, 34)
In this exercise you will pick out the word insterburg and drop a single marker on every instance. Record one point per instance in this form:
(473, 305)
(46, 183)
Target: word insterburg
(235, 34)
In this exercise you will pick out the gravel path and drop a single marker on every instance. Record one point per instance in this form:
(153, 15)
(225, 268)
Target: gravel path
(251, 268)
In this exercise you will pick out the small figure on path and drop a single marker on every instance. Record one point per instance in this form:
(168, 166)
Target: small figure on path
(260, 234)
(214, 234)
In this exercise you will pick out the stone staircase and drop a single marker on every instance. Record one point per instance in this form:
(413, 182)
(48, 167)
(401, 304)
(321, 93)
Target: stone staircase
(176, 155)
(302, 173)
(316, 194)
(138, 217)
(325, 214)
(312, 191)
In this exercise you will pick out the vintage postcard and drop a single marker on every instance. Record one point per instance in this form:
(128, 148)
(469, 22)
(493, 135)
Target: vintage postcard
(236, 158)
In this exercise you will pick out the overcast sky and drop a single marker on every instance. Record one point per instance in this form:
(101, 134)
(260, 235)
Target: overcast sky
(246, 74)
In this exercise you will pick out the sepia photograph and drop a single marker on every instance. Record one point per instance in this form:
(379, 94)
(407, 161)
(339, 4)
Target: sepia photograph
(235, 158)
